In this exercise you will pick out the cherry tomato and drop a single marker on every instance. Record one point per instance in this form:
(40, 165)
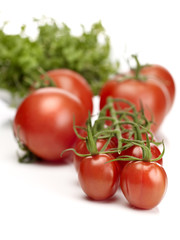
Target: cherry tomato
(44, 122)
(149, 92)
(162, 75)
(81, 147)
(74, 83)
(136, 151)
(99, 179)
(143, 184)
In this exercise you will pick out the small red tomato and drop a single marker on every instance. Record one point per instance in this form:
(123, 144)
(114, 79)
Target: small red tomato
(99, 179)
(143, 184)
(81, 147)
(136, 151)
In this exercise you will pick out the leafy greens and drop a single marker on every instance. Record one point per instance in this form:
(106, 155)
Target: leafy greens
(23, 60)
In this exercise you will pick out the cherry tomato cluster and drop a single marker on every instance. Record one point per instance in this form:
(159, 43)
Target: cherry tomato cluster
(123, 154)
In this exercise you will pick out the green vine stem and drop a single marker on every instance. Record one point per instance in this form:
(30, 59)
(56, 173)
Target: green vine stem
(131, 158)
(90, 140)
(136, 71)
(116, 123)
(119, 118)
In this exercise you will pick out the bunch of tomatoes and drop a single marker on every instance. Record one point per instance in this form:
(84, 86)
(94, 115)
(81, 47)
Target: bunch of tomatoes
(119, 150)
(122, 154)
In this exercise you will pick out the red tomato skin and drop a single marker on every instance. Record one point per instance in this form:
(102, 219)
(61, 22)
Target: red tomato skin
(162, 75)
(74, 83)
(136, 151)
(81, 147)
(44, 122)
(143, 184)
(150, 93)
(99, 179)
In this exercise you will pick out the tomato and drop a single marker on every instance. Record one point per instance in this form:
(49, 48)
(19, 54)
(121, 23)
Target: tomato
(162, 75)
(74, 83)
(44, 122)
(143, 184)
(149, 92)
(99, 179)
(81, 147)
(136, 151)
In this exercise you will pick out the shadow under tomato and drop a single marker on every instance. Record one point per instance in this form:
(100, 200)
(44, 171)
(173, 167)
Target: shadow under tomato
(154, 210)
(107, 201)
(63, 162)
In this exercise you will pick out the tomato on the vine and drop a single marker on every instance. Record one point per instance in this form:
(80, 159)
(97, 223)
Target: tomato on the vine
(99, 178)
(44, 122)
(143, 183)
(136, 151)
(74, 83)
(81, 147)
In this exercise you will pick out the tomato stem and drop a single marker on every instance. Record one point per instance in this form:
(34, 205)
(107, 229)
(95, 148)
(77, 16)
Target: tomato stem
(90, 140)
(138, 68)
(115, 122)
(120, 119)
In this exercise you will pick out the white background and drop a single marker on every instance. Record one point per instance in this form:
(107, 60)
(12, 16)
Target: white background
(46, 202)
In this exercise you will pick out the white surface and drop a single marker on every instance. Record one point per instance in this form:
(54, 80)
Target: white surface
(46, 202)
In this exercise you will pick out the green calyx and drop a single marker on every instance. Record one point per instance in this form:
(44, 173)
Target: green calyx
(127, 126)
(27, 156)
(135, 72)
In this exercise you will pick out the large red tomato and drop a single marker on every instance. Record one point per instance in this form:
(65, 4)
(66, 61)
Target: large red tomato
(74, 83)
(44, 122)
(143, 183)
(162, 75)
(150, 92)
